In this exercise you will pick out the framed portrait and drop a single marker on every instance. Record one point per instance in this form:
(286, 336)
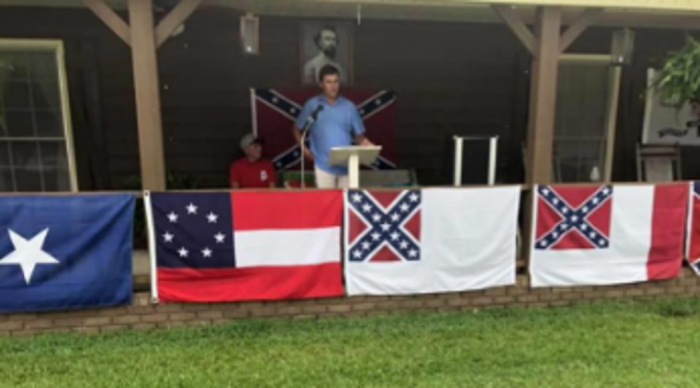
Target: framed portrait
(326, 43)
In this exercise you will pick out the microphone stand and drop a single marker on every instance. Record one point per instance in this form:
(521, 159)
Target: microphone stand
(304, 132)
(307, 127)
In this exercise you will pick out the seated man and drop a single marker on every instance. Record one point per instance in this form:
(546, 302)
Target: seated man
(252, 171)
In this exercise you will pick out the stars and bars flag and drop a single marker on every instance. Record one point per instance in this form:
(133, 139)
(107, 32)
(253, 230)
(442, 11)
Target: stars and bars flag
(602, 234)
(275, 112)
(693, 245)
(401, 242)
(65, 252)
(237, 246)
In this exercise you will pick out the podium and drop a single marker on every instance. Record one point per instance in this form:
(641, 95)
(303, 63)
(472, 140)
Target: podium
(352, 156)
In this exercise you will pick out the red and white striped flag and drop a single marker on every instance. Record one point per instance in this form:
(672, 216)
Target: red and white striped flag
(216, 247)
(600, 235)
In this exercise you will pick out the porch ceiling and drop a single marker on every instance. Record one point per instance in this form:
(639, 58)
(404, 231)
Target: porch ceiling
(677, 14)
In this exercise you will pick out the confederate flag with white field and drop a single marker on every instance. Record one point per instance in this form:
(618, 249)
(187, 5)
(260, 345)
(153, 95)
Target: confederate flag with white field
(602, 235)
(401, 242)
(218, 247)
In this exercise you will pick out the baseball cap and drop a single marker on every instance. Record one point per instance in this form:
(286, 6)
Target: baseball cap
(249, 139)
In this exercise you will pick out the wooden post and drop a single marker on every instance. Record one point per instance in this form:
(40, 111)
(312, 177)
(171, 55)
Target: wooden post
(145, 65)
(543, 96)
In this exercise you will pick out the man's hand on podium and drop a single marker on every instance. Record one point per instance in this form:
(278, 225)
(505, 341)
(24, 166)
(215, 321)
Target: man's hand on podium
(363, 141)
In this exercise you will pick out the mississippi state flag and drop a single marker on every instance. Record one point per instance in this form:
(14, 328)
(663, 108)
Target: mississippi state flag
(218, 247)
(275, 111)
(599, 235)
(694, 228)
(430, 240)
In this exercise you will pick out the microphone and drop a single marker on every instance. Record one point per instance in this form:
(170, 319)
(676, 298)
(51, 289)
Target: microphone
(314, 114)
(312, 118)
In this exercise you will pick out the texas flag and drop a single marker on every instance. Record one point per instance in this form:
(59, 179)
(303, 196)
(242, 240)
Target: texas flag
(60, 252)
(600, 235)
(217, 247)
(694, 228)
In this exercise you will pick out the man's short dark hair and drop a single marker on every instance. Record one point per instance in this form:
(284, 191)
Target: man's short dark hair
(327, 70)
(317, 37)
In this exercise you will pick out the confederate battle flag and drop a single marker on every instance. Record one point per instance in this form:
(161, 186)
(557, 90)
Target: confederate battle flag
(276, 110)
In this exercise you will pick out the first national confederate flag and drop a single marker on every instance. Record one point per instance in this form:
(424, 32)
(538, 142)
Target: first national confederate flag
(216, 247)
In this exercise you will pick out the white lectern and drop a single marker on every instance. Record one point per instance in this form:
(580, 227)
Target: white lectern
(353, 156)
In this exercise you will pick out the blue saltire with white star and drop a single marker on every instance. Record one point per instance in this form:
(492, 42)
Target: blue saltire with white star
(386, 226)
(574, 218)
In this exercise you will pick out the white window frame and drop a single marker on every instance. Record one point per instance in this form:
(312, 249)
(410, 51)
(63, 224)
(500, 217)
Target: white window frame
(45, 45)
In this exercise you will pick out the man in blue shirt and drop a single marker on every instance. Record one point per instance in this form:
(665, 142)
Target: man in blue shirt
(338, 124)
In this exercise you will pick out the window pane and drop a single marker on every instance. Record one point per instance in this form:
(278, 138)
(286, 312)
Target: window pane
(25, 154)
(45, 94)
(14, 64)
(16, 95)
(19, 123)
(6, 180)
(30, 93)
(48, 124)
(56, 179)
(42, 66)
(28, 179)
(4, 154)
(53, 154)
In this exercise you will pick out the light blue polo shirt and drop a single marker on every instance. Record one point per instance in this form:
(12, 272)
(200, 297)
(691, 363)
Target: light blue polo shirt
(336, 126)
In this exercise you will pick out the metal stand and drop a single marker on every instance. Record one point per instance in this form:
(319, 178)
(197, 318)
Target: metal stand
(306, 130)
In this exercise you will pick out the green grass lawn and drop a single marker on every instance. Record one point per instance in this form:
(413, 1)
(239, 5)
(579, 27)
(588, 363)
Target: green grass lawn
(644, 344)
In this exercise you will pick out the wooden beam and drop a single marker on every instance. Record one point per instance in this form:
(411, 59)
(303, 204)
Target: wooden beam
(174, 19)
(543, 97)
(543, 93)
(110, 18)
(577, 27)
(518, 26)
(145, 65)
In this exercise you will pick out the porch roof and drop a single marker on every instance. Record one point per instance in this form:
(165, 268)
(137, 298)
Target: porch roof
(677, 14)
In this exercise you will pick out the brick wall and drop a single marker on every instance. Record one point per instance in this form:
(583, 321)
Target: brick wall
(142, 315)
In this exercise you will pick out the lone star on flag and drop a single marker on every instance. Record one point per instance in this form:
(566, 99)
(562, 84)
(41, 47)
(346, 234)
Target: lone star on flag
(28, 253)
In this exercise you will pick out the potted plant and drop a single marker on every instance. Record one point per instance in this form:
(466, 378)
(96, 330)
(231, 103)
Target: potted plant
(678, 81)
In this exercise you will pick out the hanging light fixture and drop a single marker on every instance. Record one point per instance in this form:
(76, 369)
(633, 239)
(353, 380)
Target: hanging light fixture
(250, 30)
(622, 47)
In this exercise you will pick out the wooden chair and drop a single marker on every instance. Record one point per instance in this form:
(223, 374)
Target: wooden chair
(658, 163)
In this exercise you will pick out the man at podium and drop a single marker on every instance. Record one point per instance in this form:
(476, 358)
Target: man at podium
(333, 121)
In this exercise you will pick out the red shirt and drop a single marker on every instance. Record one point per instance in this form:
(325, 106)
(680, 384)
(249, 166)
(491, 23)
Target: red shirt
(253, 175)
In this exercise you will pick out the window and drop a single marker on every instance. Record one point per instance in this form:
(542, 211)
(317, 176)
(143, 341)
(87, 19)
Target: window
(36, 152)
(587, 92)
